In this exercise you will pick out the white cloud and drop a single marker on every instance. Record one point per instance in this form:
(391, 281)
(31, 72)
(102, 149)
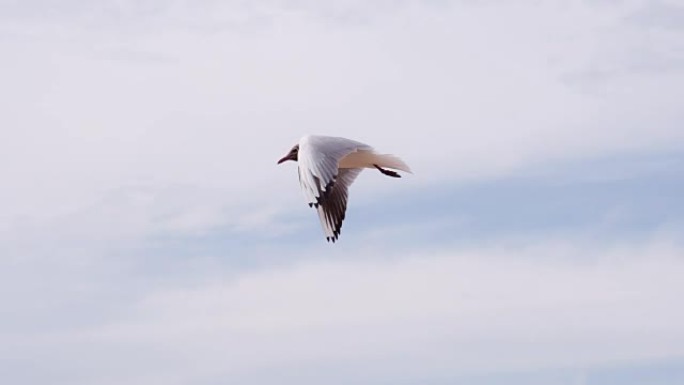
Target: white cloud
(128, 121)
(422, 315)
(459, 91)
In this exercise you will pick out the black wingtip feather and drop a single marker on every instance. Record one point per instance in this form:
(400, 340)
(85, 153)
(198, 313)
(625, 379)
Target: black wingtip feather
(391, 173)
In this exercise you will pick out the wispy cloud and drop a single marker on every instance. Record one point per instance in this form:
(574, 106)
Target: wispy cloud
(147, 236)
(659, 14)
(434, 315)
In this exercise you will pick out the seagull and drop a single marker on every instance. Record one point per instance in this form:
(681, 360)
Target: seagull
(327, 166)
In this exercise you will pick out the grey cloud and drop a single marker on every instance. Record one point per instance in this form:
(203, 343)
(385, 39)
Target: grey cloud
(203, 15)
(208, 16)
(659, 14)
(469, 310)
(644, 41)
(143, 215)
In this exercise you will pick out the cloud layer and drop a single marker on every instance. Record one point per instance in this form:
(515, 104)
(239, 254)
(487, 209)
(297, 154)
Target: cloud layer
(419, 316)
(147, 235)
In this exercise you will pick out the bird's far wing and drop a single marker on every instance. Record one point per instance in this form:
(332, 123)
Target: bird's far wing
(318, 161)
(332, 209)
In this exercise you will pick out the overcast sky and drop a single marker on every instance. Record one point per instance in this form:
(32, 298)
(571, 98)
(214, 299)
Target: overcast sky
(148, 237)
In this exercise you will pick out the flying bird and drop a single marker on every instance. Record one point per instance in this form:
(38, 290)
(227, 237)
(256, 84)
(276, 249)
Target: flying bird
(327, 166)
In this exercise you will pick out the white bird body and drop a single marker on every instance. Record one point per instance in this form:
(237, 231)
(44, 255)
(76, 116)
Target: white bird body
(327, 166)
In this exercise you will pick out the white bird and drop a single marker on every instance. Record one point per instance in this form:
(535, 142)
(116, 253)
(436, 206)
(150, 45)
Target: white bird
(327, 166)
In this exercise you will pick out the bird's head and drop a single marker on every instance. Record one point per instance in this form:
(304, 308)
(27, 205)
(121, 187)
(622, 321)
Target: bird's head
(292, 155)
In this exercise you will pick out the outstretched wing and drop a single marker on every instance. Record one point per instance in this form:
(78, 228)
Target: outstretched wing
(325, 186)
(318, 161)
(332, 209)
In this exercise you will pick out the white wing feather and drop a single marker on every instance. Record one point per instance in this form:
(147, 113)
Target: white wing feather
(325, 186)
(318, 161)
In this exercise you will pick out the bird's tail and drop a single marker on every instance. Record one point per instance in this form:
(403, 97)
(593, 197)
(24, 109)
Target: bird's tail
(391, 161)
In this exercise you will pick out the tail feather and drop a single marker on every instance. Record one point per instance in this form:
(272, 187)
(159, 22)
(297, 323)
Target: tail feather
(392, 161)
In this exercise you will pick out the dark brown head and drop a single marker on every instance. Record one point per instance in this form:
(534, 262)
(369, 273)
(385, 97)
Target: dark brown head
(292, 155)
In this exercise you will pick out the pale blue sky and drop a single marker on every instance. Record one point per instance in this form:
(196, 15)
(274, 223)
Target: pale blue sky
(148, 237)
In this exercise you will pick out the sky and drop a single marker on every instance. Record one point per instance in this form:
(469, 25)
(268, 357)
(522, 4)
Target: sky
(147, 235)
